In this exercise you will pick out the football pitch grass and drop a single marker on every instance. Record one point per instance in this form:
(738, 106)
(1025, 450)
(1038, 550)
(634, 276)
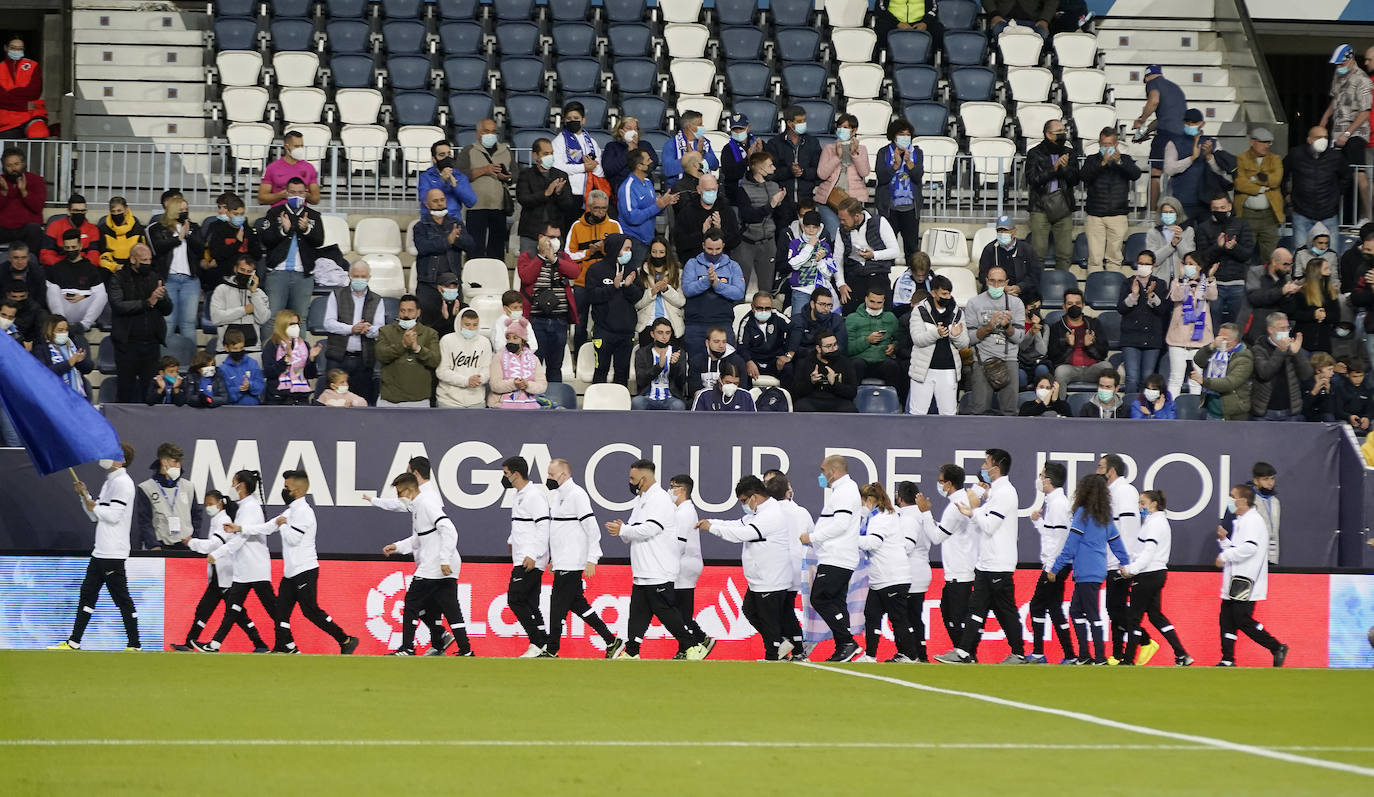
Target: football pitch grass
(149, 723)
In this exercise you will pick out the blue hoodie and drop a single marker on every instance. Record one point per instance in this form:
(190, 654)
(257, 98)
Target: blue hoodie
(1086, 549)
(231, 375)
(708, 304)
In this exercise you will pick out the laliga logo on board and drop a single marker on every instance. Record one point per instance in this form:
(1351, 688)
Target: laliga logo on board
(728, 622)
(384, 608)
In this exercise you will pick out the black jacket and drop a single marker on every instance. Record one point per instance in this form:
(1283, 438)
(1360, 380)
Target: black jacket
(1108, 185)
(435, 254)
(34, 276)
(688, 219)
(1235, 261)
(1022, 266)
(645, 371)
(1352, 399)
(1058, 348)
(846, 387)
(1270, 366)
(1315, 184)
(1040, 171)
(764, 343)
(134, 320)
(613, 309)
(807, 154)
(222, 239)
(164, 241)
(1351, 267)
(1143, 326)
(278, 243)
(702, 363)
(1263, 295)
(538, 210)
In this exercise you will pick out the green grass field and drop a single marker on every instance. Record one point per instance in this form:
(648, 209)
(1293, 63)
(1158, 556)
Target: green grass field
(126, 723)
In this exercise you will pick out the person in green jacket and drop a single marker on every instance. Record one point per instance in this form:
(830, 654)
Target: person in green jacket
(873, 343)
(1224, 368)
(409, 353)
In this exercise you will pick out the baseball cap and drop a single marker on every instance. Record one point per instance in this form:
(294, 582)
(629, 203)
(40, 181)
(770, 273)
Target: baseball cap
(448, 278)
(1341, 53)
(1004, 222)
(1262, 134)
(1153, 69)
(1192, 115)
(738, 121)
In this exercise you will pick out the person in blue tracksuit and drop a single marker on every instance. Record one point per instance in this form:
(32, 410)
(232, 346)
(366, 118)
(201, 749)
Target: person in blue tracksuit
(1091, 532)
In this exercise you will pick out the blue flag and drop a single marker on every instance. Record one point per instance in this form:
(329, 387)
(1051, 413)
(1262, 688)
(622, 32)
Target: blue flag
(60, 427)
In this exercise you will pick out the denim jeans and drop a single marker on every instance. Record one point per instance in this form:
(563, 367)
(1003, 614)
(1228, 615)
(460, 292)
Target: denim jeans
(9, 436)
(830, 219)
(552, 334)
(1029, 378)
(1227, 306)
(1302, 229)
(1140, 363)
(646, 403)
(287, 290)
(184, 293)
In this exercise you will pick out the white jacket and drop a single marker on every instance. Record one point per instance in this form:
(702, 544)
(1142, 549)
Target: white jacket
(297, 537)
(673, 303)
(650, 534)
(248, 551)
(956, 537)
(1053, 526)
(461, 359)
(690, 563)
(574, 536)
(1244, 554)
(223, 567)
(995, 518)
(1126, 513)
(226, 308)
(1152, 545)
(433, 538)
(836, 536)
(925, 335)
(766, 556)
(529, 526)
(922, 536)
(113, 515)
(799, 522)
(887, 548)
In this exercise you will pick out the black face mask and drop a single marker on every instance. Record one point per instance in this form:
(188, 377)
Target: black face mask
(118, 218)
(78, 219)
(594, 219)
(658, 345)
(513, 348)
(73, 255)
(183, 215)
(236, 356)
(658, 261)
(242, 280)
(1059, 138)
(1221, 216)
(444, 163)
(634, 489)
(286, 497)
(552, 484)
(505, 482)
(1074, 312)
(137, 267)
(573, 127)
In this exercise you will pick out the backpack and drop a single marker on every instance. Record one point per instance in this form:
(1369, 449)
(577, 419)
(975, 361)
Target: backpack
(772, 399)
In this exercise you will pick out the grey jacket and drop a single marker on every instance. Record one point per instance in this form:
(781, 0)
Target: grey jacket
(1269, 366)
(999, 344)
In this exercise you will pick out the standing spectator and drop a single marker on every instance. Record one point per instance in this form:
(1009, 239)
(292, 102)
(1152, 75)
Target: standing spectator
(445, 176)
(138, 305)
(763, 340)
(338, 394)
(1223, 371)
(1281, 369)
(76, 288)
(1154, 402)
(818, 315)
(1259, 175)
(75, 220)
(1316, 179)
(23, 114)
(1051, 174)
(464, 365)
(242, 375)
(1355, 263)
(1197, 166)
(1347, 117)
(1165, 100)
(1001, 324)
(759, 200)
(913, 285)
(615, 160)
(797, 157)
(612, 291)
(726, 395)
(901, 174)
(63, 356)
(440, 243)
(544, 197)
(288, 362)
(1032, 355)
(705, 370)
(811, 258)
(576, 154)
(1018, 261)
(546, 274)
(712, 283)
(490, 169)
(585, 241)
(638, 203)
(1224, 240)
(1170, 240)
(1317, 251)
(517, 376)
(450, 303)
(1036, 14)
(872, 347)
(408, 352)
(22, 266)
(292, 165)
(938, 335)
(1321, 403)
(1269, 288)
(1108, 178)
(1048, 402)
(660, 372)
(687, 140)
(1107, 402)
(868, 248)
(843, 171)
(291, 235)
(354, 317)
(661, 278)
(169, 388)
(228, 239)
(1190, 327)
(734, 159)
(1316, 308)
(178, 247)
(823, 379)
(1077, 344)
(22, 198)
(1145, 311)
(705, 209)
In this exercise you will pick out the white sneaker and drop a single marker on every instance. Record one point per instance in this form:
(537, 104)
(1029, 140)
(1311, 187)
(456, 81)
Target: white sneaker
(697, 652)
(532, 652)
(785, 649)
(864, 659)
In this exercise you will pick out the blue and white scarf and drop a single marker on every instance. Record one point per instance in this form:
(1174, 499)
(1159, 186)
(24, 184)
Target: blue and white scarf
(60, 354)
(1217, 365)
(903, 194)
(577, 150)
(1195, 310)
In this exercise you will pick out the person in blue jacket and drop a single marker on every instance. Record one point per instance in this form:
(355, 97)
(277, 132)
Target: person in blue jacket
(443, 176)
(240, 374)
(1154, 403)
(712, 283)
(638, 203)
(1091, 532)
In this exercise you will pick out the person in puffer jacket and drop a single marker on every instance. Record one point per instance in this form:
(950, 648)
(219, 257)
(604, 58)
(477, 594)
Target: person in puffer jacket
(938, 334)
(1317, 247)
(1108, 177)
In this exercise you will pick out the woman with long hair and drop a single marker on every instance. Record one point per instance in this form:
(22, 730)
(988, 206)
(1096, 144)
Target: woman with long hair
(615, 159)
(661, 278)
(62, 356)
(219, 575)
(1091, 532)
(287, 362)
(1317, 308)
(889, 575)
(1148, 570)
(177, 250)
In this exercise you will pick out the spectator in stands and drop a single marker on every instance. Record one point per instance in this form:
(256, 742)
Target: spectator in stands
(1268, 288)
(705, 367)
(1035, 13)
(816, 316)
(169, 388)
(22, 197)
(1316, 251)
(842, 173)
(228, 238)
(762, 339)
(823, 379)
(576, 154)
(712, 283)
(440, 243)
(797, 157)
(338, 394)
(585, 240)
(734, 159)
(811, 257)
(1170, 240)
(22, 266)
(490, 168)
(9, 325)
(660, 277)
(638, 203)
(708, 209)
(872, 346)
(76, 287)
(901, 174)
(288, 363)
(613, 289)
(275, 187)
(1259, 175)
(354, 317)
(546, 274)
(1356, 261)
(291, 235)
(517, 376)
(615, 160)
(1355, 397)
(1316, 309)
(32, 313)
(1000, 317)
(204, 388)
(1051, 174)
(867, 247)
(60, 352)
(446, 177)
(1048, 401)
(221, 214)
(1190, 326)
(1108, 178)
(1077, 344)
(139, 306)
(23, 114)
(544, 197)
(1145, 311)
(1017, 260)
(1281, 368)
(1228, 241)
(687, 140)
(75, 220)
(726, 395)
(660, 372)
(450, 304)
(688, 184)
(938, 334)
(907, 15)
(1321, 403)
(1154, 402)
(512, 307)
(242, 375)
(913, 285)
(1107, 402)
(1165, 100)
(1032, 354)
(759, 197)
(1347, 117)
(1197, 166)
(464, 365)
(408, 352)
(1316, 180)
(178, 248)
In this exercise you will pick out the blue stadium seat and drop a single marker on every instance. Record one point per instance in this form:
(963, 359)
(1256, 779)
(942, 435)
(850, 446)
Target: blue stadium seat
(513, 10)
(878, 399)
(791, 13)
(517, 38)
(625, 10)
(527, 110)
(458, 9)
(345, 9)
(763, 115)
(1188, 407)
(927, 118)
(635, 75)
(1077, 400)
(351, 71)
(596, 109)
(1346, 241)
(741, 44)
(236, 8)
(522, 74)
(578, 75)
(524, 139)
(909, 47)
(1134, 245)
(630, 40)
(574, 39)
(562, 395)
(402, 9)
(749, 79)
(236, 33)
(804, 80)
(414, 107)
(958, 14)
(1053, 283)
(404, 36)
(1080, 250)
(820, 116)
(460, 38)
(314, 317)
(1111, 326)
(735, 12)
(408, 72)
(391, 307)
(1103, 289)
(650, 111)
(180, 347)
(348, 36)
(973, 83)
(293, 35)
(655, 139)
(466, 109)
(798, 44)
(463, 136)
(108, 392)
(569, 10)
(290, 9)
(965, 47)
(913, 83)
(466, 73)
(105, 357)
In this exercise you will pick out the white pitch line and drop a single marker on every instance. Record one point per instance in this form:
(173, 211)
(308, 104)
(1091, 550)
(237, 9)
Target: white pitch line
(1222, 744)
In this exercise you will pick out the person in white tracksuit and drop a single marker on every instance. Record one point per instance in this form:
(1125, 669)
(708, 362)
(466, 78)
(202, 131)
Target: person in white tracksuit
(799, 522)
(1047, 603)
(889, 575)
(911, 505)
(219, 574)
(574, 550)
(1148, 568)
(251, 557)
(1245, 577)
(958, 549)
(690, 563)
(433, 589)
(836, 542)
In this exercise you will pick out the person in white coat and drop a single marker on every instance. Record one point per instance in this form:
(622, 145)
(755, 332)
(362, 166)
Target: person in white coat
(911, 505)
(1047, 604)
(574, 550)
(690, 563)
(432, 593)
(529, 550)
(1148, 569)
(766, 558)
(464, 365)
(938, 334)
(959, 549)
(1245, 578)
(252, 560)
(889, 575)
(219, 574)
(799, 522)
(836, 542)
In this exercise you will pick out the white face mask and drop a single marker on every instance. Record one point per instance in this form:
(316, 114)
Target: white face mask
(293, 331)
(105, 464)
(211, 511)
(440, 213)
(728, 389)
(405, 502)
(61, 338)
(207, 371)
(556, 243)
(174, 473)
(630, 136)
(6, 323)
(872, 312)
(341, 388)
(1143, 270)
(1151, 394)
(1042, 393)
(298, 153)
(1319, 146)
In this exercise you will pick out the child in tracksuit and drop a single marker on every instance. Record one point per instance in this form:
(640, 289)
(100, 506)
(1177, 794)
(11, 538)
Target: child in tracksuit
(1091, 532)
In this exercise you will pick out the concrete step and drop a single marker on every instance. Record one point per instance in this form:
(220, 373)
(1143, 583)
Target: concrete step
(173, 57)
(183, 110)
(1195, 93)
(1185, 77)
(98, 16)
(101, 128)
(1114, 23)
(1127, 39)
(1190, 58)
(143, 91)
(183, 38)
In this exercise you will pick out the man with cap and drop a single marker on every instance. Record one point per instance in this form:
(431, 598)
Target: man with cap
(440, 242)
(734, 159)
(450, 304)
(1347, 117)
(1192, 163)
(1165, 100)
(1016, 258)
(1259, 173)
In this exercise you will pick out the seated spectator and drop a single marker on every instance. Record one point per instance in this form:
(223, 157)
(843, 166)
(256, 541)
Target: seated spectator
(441, 240)
(274, 189)
(762, 339)
(204, 389)
(818, 315)
(238, 303)
(872, 349)
(30, 316)
(512, 307)
(938, 334)
(1145, 311)
(292, 234)
(76, 287)
(901, 174)
(1355, 397)
(177, 249)
(857, 249)
(660, 372)
(1321, 402)
(546, 281)
(823, 379)
(687, 140)
(221, 214)
(23, 195)
(1281, 369)
(288, 363)
(9, 314)
(464, 365)
(712, 283)
(639, 205)
(23, 113)
(1048, 401)
(1035, 14)
(450, 303)
(22, 266)
(1032, 353)
(1016, 258)
(907, 15)
(726, 396)
(1169, 239)
(1224, 368)
(138, 305)
(408, 352)
(912, 287)
(812, 260)
(544, 198)
(1154, 402)
(119, 231)
(1357, 260)
(339, 394)
(615, 157)
(240, 374)
(613, 290)
(688, 184)
(1190, 325)
(759, 198)
(517, 376)
(63, 357)
(843, 172)
(75, 220)
(1317, 248)
(1316, 309)
(1106, 402)
(1077, 345)
(169, 388)
(704, 368)
(585, 239)
(660, 277)
(354, 316)
(707, 210)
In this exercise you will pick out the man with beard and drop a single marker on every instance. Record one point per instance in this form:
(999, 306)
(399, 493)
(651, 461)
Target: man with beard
(139, 303)
(823, 380)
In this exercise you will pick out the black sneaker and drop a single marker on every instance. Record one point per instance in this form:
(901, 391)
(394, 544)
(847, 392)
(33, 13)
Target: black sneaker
(401, 652)
(465, 652)
(845, 652)
(614, 647)
(681, 655)
(1280, 655)
(262, 649)
(183, 648)
(547, 654)
(349, 645)
(203, 647)
(1183, 661)
(445, 642)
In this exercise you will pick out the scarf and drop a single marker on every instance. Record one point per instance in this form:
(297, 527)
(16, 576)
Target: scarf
(578, 149)
(1195, 310)
(659, 390)
(519, 366)
(1217, 365)
(660, 308)
(680, 144)
(903, 195)
(60, 354)
(819, 266)
(741, 151)
(292, 379)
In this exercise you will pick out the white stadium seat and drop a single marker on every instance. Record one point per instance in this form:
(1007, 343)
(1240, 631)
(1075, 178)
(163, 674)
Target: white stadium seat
(250, 143)
(586, 362)
(301, 105)
(861, 81)
(686, 40)
(485, 276)
(946, 247)
(606, 396)
(981, 238)
(1020, 46)
(358, 106)
(244, 103)
(873, 116)
(1032, 116)
(963, 280)
(872, 144)
(693, 75)
(410, 241)
(1030, 83)
(982, 119)
(1075, 50)
(415, 141)
(853, 45)
(364, 146)
(719, 141)
(488, 310)
(379, 242)
(293, 69)
(316, 138)
(239, 67)
(1088, 120)
(709, 107)
(681, 10)
(939, 153)
(1084, 86)
(336, 232)
(846, 13)
(992, 158)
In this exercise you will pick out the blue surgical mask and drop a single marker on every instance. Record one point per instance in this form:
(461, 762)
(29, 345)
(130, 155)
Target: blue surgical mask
(449, 294)
(1108, 151)
(489, 140)
(468, 334)
(295, 203)
(1281, 336)
(1318, 251)
(762, 316)
(1191, 130)
(709, 197)
(222, 216)
(1231, 505)
(238, 221)
(358, 285)
(1004, 238)
(740, 135)
(1168, 218)
(546, 161)
(15, 55)
(984, 476)
(1144, 513)
(405, 323)
(822, 481)
(801, 128)
(748, 510)
(1105, 396)
(902, 142)
(170, 379)
(1340, 70)
(996, 293)
(624, 257)
(1190, 271)
(844, 134)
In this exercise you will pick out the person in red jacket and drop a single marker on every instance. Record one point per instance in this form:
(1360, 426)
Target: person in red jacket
(74, 220)
(546, 274)
(22, 194)
(22, 112)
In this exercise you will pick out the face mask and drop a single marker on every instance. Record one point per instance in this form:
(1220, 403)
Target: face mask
(727, 389)
(208, 371)
(489, 140)
(996, 293)
(295, 203)
(714, 259)
(1074, 312)
(984, 476)
(440, 213)
(1190, 272)
(286, 496)
(293, 331)
(117, 219)
(1105, 396)
(1191, 130)
(1319, 146)
(174, 473)
(552, 484)
(406, 323)
(61, 338)
(298, 153)
(222, 216)
(822, 481)
(748, 510)
(873, 313)
(634, 489)
(658, 261)
(624, 257)
(170, 379)
(1280, 337)
(1144, 270)
(762, 316)
(1108, 151)
(513, 348)
(1231, 505)
(72, 254)
(405, 503)
(1059, 138)
(1144, 513)
(709, 197)
(6, 323)
(573, 126)
(631, 135)
(236, 356)
(1342, 70)
(79, 219)
(211, 511)
(1042, 393)
(1318, 251)
(105, 464)
(742, 136)
(843, 134)
(468, 334)
(449, 294)
(1168, 218)
(556, 243)
(594, 218)
(546, 161)
(1221, 216)
(801, 128)
(1004, 238)
(1151, 394)
(15, 55)
(505, 482)
(902, 142)
(238, 221)
(358, 285)
(343, 388)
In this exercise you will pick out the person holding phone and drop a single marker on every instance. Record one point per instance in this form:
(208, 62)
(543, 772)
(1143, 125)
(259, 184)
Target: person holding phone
(872, 348)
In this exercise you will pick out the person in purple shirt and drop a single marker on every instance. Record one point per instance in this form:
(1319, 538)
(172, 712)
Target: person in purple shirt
(292, 163)
(726, 395)
(443, 176)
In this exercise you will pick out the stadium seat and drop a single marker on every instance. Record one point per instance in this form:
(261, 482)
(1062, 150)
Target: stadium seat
(488, 311)
(466, 109)
(693, 75)
(915, 83)
(336, 232)
(462, 38)
(1080, 250)
(1030, 84)
(1077, 400)
(735, 12)
(108, 392)
(414, 142)
(853, 45)
(965, 286)
(719, 141)
(517, 38)
(878, 399)
(1053, 283)
(710, 108)
(909, 47)
(526, 110)
(236, 34)
(763, 115)
(574, 39)
(379, 241)
(1031, 118)
(315, 139)
(250, 143)
(1084, 86)
(1075, 50)
(586, 362)
(414, 107)
(749, 79)
(402, 9)
(524, 138)
(791, 13)
(992, 158)
(965, 47)
(364, 146)
(946, 247)
(358, 106)
(404, 36)
(513, 9)
(523, 74)
(1134, 245)
(846, 13)
(605, 396)
(295, 69)
(1188, 407)
(565, 11)
(238, 67)
(972, 83)
(635, 75)
(981, 238)
(677, 11)
(940, 154)
(293, 34)
(351, 71)
(873, 116)
(798, 44)
(927, 118)
(1020, 46)
(958, 14)
(485, 276)
(820, 116)
(466, 73)
(688, 40)
(348, 36)
(301, 105)
(244, 103)
(578, 75)
(236, 8)
(408, 72)
(345, 9)
(982, 119)
(1088, 120)
(736, 44)
(806, 81)
(595, 110)
(861, 81)
(105, 357)
(650, 111)
(1103, 289)
(1111, 324)
(314, 316)
(633, 40)
(561, 395)
(457, 9)
(180, 347)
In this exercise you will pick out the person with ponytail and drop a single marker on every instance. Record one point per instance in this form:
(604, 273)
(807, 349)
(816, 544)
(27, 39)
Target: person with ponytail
(1091, 532)
(219, 574)
(251, 563)
(889, 575)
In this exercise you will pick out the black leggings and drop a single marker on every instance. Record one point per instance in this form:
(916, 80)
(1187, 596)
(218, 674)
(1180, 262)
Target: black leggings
(1240, 616)
(1119, 613)
(1048, 600)
(209, 601)
(686, 600)
(522, 595)
(954, 601)
(791, 623)
(429, 601)
(916, 615)
(236, 606)
(567, 596)
(108, 573)
(1087, 619)
(892, 601)
(830, 599)
(1147, 599)
(648, 601)
(302, 590)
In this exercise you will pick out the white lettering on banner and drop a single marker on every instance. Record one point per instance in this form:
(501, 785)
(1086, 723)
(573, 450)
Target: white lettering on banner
(448, 475)
(1037, 496)
(400, 463)
(1071, 460)
(589, 478)
(1224, 483)
(537, 456)
(383, 623)
(346, 475)
(694, 469)
(208, 471)
(893, 475)
(784, 463)
(475, 627)
(963, 455)
(301, 455)
(854, 453)
(1204, 475)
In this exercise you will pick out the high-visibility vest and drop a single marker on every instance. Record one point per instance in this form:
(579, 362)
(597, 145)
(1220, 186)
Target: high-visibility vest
(20, 78)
